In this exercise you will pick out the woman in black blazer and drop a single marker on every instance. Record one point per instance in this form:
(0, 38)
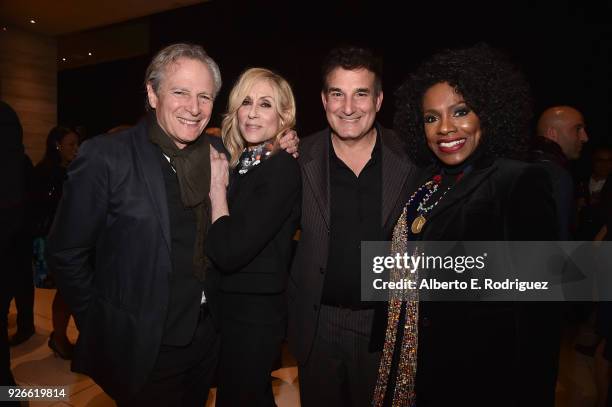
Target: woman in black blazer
(250, 240)
(464, 114)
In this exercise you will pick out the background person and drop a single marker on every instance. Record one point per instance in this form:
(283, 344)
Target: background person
(12, 185)
(561, 133)
(23, 279)
(591, 209)
(49, 176)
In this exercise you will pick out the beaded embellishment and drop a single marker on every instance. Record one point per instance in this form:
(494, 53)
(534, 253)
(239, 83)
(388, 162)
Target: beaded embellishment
(250, 158)
(431, 187)
(404, 394)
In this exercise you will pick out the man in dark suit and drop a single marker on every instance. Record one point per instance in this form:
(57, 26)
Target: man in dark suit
(355, 181)
(139, 200)
(561, 133)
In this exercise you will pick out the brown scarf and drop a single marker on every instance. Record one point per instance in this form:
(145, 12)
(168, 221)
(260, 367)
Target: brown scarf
(192, 166)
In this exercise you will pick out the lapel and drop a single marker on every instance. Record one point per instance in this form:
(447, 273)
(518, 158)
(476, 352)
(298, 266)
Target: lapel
(148, 155)
(464, 187)
(395, 170)
(316, 171)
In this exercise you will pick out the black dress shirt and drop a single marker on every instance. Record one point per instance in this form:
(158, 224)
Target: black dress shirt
(356, 212)
(185, 291)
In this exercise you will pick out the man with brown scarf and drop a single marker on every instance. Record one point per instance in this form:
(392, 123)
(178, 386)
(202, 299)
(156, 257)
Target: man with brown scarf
(144, 305)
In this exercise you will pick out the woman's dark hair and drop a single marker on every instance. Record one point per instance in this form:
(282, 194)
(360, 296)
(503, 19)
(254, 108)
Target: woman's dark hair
(490, 85)
(55, 136)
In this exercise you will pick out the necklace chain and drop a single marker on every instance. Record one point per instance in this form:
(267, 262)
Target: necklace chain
(432, 188)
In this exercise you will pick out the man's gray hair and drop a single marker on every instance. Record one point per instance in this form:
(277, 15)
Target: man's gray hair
(172, 53)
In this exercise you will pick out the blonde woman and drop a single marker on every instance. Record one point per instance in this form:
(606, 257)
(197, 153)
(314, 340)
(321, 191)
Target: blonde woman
(249, 242)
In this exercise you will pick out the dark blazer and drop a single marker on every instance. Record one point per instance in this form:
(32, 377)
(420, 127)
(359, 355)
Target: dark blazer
(114, 204)
(251, 248)
(499, 200)
(502, 354)
(549, 155)
(606, 203)
(308, 269)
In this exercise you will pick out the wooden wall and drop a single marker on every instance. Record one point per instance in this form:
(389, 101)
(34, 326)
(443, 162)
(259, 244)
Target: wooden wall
(28, 82)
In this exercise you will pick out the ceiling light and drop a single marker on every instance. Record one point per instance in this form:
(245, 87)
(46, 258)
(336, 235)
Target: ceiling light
(89, 53)
(32, 21)
(64, 59)
(3, 28)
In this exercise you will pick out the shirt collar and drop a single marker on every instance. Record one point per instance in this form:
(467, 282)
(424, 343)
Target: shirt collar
(376, 151)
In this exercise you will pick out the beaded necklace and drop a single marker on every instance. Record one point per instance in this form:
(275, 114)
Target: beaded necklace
(422, 209)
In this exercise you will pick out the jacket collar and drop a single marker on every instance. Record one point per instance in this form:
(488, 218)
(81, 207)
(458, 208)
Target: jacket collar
(463, 187)
(395, 170)
(395, 173)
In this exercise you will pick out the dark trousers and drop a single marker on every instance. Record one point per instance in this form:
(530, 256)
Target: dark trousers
(252, 330)
(182, 375)
(7, 262)
(6, 378)
(341, 371)
(23, 285)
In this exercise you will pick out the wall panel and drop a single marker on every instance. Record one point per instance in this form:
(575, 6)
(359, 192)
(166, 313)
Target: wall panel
(28, 82)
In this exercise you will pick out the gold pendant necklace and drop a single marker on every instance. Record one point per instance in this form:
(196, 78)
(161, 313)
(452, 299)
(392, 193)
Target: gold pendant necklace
(432, 186)
(417, 224)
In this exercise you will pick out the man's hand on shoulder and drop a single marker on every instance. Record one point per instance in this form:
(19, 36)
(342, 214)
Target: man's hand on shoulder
(289, 142)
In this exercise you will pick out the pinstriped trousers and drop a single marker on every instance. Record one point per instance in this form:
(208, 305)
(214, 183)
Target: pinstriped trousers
(340, 370)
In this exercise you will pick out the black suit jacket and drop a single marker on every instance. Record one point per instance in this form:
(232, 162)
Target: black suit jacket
(308, 270)
(483, 353)
(114, 204)
(251, 248)
(499, 200)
